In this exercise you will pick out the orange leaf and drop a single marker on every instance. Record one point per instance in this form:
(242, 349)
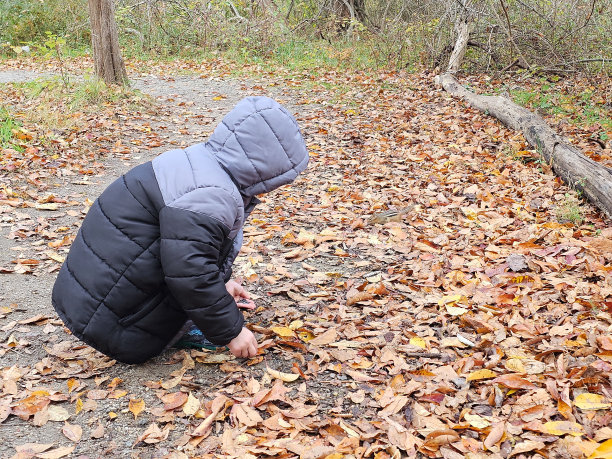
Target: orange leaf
(356, 297)
(136, 406)
(514, 381)
(174, 400)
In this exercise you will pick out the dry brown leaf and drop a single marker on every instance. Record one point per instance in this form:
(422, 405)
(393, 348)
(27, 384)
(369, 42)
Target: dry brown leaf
(98, 431)
(153, 434)
(354, 297)
(57, 453)
(174, 400)
(327, 337)
(72, 432)
(192, 405)
(495, 435)
(514, 381)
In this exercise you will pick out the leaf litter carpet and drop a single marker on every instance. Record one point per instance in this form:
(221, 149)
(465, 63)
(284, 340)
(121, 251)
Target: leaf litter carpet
(474, 322)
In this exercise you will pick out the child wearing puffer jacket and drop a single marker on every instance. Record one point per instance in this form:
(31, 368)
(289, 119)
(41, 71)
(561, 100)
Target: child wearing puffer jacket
(153, 257)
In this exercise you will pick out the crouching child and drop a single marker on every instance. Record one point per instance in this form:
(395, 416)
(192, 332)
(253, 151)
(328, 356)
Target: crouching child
(156, 248)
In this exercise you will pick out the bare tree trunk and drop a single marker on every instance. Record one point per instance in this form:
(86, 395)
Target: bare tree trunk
(577, 170)
(463, 28)
(108, 63)
(350, 10)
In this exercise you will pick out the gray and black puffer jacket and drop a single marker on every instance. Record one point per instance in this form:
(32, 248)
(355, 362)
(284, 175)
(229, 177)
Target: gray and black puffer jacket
(156, 247)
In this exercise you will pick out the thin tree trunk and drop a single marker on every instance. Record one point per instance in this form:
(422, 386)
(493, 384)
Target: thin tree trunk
(464, 27)
(591, 178)
(108, 63)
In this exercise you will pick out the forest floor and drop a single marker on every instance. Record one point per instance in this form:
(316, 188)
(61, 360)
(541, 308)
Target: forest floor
(476, 324)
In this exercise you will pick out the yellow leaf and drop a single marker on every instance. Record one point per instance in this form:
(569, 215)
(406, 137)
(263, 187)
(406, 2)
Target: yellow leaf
(117, 393)
(306, 335)
(476, 421)
(589, 401)
(455, 310)
(112, 415)
(449, 299)
(418, 342)
(72, 384)
(563, 428)
(47, 206)
(55, 256)
(136, 406)
(515, 365)
(287, 377)
(470, 213)
(603, 451)
(296, 324)
(79, 406)
(284, 332)
(481, 374)
(191, 406)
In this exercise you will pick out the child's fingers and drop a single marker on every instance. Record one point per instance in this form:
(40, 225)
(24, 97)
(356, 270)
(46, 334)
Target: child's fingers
(243, 293)
(246, 304)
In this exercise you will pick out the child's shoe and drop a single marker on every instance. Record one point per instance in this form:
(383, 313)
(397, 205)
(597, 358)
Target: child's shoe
(194, 339)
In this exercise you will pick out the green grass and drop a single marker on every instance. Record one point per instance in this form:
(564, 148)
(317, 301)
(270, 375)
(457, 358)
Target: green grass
(56, 105)
(7, 126)
(569, 210)
(88, 92)
(582, 108)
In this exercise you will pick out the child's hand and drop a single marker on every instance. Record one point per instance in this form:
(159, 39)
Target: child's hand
(244, 345)
(240, 295)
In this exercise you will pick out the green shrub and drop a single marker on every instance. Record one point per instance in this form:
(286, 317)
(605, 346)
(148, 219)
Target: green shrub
(29, 21)
(8, 126)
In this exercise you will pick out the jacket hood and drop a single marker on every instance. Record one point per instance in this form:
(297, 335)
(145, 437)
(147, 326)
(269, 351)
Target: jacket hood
(259, 143)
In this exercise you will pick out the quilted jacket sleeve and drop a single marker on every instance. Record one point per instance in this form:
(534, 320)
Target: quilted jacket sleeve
(191, 244)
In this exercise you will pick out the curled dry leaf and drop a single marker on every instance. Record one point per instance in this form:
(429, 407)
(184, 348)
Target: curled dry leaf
(495, 435)
(527, 446)
(287, 377)
(439, 438)
(153, 434)
(354, 297)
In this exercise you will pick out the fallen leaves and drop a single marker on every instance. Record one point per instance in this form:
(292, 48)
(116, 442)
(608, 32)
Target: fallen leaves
(479, 269)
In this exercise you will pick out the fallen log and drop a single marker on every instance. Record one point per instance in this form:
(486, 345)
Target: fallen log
(592, 179)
